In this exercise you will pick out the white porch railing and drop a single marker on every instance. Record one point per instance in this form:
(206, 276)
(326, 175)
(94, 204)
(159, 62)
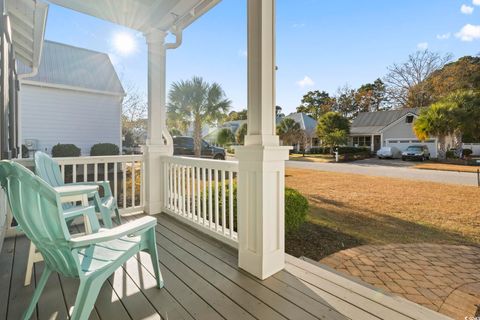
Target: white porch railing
(202, 193)
(125, 173)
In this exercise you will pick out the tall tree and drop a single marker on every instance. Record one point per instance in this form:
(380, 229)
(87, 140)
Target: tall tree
(463, 74)
(225, 137)
(290, 132)
(370, 97)
(197, 102)
(134, 113)
(346, 102)
(333, 129)
(236, 115)
(316, 103)
(405, 81)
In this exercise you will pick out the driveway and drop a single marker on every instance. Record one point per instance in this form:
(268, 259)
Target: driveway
(390, 168)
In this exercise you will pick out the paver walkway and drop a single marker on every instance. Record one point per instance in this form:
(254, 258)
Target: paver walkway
(445, 278)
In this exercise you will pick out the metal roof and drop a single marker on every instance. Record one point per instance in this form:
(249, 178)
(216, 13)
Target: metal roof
(374, 122)
(27, 20)
(71, 66)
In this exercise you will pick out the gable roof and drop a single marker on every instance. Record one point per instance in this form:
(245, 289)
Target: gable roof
(374, 122)
(66, 65)
(306, 122)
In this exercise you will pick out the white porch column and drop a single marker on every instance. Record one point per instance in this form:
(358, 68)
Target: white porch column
(372, 144)
(261, 207)
(156, 141)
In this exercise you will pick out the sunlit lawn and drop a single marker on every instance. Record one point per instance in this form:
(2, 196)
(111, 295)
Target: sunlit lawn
(348, 210)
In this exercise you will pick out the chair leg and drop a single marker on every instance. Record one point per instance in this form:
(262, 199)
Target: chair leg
(30, 261)
(86, 296)
(38, 291)
(152, 249)
(117, 213)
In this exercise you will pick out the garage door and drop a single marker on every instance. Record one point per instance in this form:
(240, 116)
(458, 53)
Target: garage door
(403, 144)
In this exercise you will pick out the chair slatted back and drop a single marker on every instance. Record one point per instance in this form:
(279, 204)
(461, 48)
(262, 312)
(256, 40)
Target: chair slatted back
(48, 169)
(37, 209)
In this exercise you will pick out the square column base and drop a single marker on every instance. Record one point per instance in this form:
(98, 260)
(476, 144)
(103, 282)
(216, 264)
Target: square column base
(154, 188)
(261, 209)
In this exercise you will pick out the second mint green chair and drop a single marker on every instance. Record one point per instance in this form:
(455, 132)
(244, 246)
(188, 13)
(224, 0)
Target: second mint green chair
(92, 258)
(49, 170)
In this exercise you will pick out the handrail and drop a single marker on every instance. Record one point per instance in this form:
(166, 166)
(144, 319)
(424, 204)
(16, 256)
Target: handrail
(202, 193)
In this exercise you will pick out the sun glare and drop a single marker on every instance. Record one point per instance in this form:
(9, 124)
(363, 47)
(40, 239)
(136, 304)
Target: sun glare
(124, 43)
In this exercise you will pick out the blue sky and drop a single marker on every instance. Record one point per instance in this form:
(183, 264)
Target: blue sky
(321, 45)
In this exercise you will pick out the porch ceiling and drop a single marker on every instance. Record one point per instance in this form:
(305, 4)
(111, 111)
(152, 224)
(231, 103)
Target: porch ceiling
(27, 23)
(143, 15)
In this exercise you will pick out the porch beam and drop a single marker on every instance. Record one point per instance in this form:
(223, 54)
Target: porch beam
(157, 138)
(262, 160)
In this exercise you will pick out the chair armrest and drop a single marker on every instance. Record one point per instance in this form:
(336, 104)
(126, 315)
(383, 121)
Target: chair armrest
(104, 184)
(76, 211)
(131, 228)
(68, 191)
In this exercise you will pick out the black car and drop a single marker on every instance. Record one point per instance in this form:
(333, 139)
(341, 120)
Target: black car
(183, 146)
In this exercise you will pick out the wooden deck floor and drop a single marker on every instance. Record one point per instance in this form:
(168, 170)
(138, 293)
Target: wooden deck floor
(202, 281)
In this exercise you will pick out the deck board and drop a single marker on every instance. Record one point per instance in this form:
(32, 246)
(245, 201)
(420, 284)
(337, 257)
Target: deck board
(202, 281)
(6, 265)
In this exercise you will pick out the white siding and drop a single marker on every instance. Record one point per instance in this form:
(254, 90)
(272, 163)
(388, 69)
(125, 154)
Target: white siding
(401, 130)
(53, 116)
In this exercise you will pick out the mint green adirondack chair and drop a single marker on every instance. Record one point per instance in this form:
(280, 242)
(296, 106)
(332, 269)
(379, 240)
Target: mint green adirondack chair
(92, 258)
(49, 170)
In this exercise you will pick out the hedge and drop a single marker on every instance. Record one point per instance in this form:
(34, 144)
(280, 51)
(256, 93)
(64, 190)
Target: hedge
(104, 149)
(65, 150)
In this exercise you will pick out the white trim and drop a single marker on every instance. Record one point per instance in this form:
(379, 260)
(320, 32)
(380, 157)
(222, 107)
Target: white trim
(391, 124)
(71, 88)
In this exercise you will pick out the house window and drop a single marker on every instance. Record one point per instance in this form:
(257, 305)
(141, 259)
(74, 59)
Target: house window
(409, 119)
(362, 141)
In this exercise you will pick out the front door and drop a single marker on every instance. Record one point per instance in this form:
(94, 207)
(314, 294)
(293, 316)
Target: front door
(377, 143)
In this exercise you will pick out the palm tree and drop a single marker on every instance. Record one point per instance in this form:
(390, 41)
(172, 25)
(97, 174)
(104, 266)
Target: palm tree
(197, 102)
(438, 120)
(290, 132)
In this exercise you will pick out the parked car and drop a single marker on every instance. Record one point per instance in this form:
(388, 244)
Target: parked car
(389, 152)
(416, 153)
(183, 146)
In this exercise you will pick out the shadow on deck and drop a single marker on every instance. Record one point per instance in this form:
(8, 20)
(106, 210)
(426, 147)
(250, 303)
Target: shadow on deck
(202, 281)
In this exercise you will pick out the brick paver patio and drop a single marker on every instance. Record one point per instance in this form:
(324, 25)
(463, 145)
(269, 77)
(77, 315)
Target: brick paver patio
(445, 278)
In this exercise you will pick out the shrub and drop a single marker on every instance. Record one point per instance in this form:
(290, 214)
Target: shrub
(296, 209)
(352, 150)
(450, 154)
(467, 152)
(104, 149)
(65, 150)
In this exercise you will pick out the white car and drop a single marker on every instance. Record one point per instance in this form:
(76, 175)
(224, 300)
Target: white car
(388, 152)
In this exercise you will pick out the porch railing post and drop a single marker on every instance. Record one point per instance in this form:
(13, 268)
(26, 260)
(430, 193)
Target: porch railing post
(157, 137)
(261, 160)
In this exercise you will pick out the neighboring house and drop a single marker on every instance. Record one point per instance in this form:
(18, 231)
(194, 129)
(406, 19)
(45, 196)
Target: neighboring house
(232, 125)
(389, 128)
(307, 124)
(76, 97)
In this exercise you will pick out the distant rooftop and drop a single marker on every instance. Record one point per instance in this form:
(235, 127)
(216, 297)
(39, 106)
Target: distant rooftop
(71, 66)
(373, 122)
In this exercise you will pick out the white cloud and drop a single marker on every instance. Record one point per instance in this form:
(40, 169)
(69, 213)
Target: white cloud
(469, 32)
(243, 53)
(466, 9)
(305, 82)
(299, 25)
(422, 46)
(476, 2)
(444, 36)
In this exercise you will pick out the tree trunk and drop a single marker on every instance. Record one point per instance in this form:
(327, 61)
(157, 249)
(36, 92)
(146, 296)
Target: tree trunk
(197, 137)
(442, 153)
(458, 142)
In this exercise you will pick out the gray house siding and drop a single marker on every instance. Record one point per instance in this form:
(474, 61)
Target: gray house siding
(399, 130)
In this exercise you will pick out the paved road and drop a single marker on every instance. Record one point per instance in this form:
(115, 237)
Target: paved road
(390, 168)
